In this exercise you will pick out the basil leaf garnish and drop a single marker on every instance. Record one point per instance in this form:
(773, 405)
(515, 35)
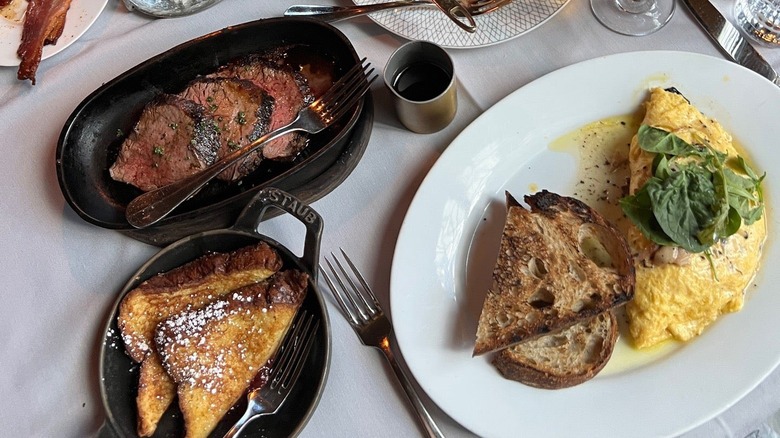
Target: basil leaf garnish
(682, 206)
(639, 209)
(662, 142)
(693, 200)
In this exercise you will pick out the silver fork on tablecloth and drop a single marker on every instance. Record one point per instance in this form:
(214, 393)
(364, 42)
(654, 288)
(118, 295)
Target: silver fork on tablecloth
(372, 326)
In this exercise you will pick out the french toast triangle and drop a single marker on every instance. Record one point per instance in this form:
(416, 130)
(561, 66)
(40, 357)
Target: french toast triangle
(559, 263)
(189, 286)
(214, 353)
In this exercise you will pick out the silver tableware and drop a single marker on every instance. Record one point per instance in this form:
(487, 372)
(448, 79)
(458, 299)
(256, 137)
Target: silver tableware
(365, 315)
(731, 42)
(455, 11)
(337, 13)
(168, 8)
(152, 206)
(284, 372)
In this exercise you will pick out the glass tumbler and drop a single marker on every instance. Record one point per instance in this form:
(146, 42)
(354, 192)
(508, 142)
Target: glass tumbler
(760, 19)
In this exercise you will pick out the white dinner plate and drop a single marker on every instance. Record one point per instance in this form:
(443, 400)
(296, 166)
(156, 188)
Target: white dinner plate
(448, 241)
(81, 15)
(430, 24)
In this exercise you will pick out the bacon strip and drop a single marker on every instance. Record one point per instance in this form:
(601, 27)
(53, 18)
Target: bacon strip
(43, 24)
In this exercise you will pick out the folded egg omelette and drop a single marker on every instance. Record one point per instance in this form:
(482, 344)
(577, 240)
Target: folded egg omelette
(678, 294)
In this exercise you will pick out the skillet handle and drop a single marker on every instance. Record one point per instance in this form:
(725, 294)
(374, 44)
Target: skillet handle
(253, 214)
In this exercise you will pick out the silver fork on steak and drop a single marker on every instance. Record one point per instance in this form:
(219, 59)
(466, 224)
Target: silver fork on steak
(154, 205)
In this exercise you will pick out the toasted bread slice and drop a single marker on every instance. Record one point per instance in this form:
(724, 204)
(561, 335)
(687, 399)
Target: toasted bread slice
(214, 353)
(187, 287)
(559, 263)
(564, 358)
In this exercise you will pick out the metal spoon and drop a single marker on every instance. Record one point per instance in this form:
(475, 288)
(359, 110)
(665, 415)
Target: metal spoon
(168, 8)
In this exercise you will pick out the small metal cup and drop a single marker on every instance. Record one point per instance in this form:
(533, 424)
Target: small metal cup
(432, 114)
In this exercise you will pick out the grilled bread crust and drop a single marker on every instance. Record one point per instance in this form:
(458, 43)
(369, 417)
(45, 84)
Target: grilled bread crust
(190, 286)
(564, 358)
(214, 353)
(558, 264)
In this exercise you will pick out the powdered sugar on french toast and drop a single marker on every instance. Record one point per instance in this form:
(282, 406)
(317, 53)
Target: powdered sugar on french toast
(187, 327)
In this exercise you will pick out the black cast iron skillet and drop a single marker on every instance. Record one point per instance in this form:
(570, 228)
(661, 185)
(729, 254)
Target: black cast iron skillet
(93, 134)
(119, 374)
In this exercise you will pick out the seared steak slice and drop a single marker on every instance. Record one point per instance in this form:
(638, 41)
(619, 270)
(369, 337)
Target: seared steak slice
(242, 111)
(173, 139)
(289, 91)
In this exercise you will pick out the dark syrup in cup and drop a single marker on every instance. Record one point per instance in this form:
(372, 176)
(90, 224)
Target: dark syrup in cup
(421, 81)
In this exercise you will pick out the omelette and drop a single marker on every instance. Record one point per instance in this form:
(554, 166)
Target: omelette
(679, 292)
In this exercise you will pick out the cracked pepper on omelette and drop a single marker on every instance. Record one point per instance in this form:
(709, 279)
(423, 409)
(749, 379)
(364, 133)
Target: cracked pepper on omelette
(699, 222)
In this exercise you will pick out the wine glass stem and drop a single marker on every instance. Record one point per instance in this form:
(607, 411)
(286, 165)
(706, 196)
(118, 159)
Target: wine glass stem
(636, 6)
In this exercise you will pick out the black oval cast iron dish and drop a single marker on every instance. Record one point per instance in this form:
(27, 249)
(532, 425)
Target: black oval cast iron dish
(119, 373)
(92, 135)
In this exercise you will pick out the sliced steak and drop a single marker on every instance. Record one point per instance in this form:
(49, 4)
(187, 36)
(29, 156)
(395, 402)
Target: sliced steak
(242, 111)
(173, 139)
(289, 91)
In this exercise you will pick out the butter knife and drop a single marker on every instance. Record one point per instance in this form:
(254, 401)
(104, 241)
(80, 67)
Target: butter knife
(731, 42)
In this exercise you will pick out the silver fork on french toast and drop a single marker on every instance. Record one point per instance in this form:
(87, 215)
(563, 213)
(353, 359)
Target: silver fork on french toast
(284, 372)
(365, 315)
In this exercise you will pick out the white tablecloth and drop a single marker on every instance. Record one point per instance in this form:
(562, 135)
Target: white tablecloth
(61, 274)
